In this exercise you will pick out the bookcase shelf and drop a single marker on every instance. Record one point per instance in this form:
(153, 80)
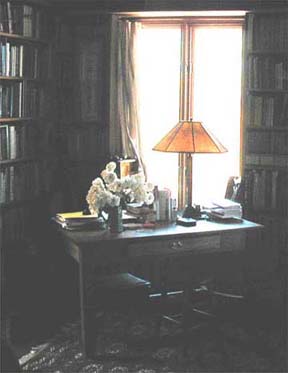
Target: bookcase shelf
(16, 78)
(269, 52)
(7, 162)
(23, 39)
(266, 124)
(269, 129)
(12, 120)
(21, 79)
(26, 165)
(267, 90)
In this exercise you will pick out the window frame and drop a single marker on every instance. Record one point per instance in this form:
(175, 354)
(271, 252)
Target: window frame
(188, 25)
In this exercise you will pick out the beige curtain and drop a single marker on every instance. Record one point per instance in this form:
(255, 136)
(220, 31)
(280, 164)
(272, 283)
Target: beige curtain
(124, 138)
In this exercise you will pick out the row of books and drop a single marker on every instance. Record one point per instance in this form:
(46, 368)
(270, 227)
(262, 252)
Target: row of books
(19, 100)
(266, 32)
(25, 180)
(11, 100)
(16, 141)
(268, 111)
(266, 189)
(267, 142)
(17, 61)
(21, 19)
(266, 160)
(267, 73)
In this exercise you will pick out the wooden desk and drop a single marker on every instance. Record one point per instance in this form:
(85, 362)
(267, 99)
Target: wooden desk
(100, 251)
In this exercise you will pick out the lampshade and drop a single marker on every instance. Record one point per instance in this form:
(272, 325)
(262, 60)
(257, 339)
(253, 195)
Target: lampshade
(190, 137)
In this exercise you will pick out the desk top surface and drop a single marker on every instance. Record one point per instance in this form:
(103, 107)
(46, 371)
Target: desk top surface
(168, 230)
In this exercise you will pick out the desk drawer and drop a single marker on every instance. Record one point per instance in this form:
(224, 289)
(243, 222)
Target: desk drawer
(175, 246)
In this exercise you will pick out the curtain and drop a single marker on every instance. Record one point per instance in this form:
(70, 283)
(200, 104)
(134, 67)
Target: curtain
(124, 134)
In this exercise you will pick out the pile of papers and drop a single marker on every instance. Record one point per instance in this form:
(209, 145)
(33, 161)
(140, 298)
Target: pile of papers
(226, 209)
(77, 221)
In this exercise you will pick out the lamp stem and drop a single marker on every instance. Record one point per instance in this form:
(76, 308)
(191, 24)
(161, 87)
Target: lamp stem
(189, 172)
(189, 211)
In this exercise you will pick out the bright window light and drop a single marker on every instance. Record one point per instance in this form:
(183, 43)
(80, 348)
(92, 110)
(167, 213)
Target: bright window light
(159, 81)
(216, 102)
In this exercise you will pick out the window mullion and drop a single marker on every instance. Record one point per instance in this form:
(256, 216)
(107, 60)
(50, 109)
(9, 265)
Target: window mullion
(185, 110)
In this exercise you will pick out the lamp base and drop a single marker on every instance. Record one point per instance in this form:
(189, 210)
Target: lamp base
(192, 212)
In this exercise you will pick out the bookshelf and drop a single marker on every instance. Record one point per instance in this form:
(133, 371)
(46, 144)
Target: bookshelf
(24, 124)
(28, 160)
(266, 129)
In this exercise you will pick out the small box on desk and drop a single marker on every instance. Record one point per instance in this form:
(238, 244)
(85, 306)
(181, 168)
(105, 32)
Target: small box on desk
(186, 222)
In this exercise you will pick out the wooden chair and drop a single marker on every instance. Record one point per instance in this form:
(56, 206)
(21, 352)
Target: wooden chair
(199, 306)
(121, 292)
(234, 189)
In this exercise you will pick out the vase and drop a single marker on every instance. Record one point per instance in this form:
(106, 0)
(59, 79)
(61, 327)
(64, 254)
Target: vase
(115, 219)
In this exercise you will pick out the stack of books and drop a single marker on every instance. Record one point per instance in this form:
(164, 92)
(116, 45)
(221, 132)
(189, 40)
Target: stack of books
(140, 212)
(78, 220)
(226, 209)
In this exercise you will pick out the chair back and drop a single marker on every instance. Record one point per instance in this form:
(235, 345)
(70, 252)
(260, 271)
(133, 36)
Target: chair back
(234, 190)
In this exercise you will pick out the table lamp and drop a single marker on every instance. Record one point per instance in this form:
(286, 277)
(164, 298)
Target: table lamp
(189, 137)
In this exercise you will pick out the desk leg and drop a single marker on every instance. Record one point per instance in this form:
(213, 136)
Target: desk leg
(87, 332)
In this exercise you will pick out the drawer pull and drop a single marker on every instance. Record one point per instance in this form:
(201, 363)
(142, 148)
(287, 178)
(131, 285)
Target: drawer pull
(174, 245)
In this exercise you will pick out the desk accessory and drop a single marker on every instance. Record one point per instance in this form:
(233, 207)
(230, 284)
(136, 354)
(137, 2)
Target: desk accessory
(190, 137)
(186, 222)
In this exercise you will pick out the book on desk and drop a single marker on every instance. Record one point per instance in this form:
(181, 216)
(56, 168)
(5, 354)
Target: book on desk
(79, 220)
(224, 209)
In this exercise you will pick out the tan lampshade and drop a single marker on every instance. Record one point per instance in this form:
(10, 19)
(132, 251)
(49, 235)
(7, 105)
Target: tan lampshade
(190, 137)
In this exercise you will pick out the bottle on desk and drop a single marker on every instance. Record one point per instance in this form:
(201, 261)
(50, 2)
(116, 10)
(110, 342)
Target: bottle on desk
(164, 205)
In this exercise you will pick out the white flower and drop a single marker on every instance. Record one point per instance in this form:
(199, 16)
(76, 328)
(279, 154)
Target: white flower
(115, 201)
(140, 178)
(93, 210)
(131, 196)
(109, 191)
(149, 198)
(108, 177)
(111, 166)
(116, 186)
(149, 187)
(139, 195)
(127, 182)
(98, 183)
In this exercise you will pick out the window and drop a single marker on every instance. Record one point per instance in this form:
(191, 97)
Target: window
(191, 71)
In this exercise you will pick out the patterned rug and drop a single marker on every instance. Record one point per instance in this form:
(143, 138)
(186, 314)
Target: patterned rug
(232, 349)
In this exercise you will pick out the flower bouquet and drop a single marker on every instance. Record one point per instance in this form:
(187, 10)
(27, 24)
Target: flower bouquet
(110, 194)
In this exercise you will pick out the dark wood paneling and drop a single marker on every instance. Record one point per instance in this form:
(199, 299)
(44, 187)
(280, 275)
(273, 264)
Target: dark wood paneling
(168, 5)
